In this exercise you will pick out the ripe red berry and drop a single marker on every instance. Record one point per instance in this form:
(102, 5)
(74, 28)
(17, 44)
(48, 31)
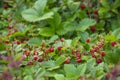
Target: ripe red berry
(18, 42)
(35, 57)
(47, 51)
(67, 61)
(78, 54)
(36, 52)
(93, 55)
(107, 76)
(93, 29)
(98, 60)
(79, 60)
(51, 49)
(10, 26)
(43, 44)
(102, 53)
(92, 50)
(100, 45)
(113, 43)
(96, 12)
(88, 40)
(62, 39)
(5, 6)
(82, 6)
(59, 48)
(30, 63)
(41, 60)
(6, 42)
(27, 53)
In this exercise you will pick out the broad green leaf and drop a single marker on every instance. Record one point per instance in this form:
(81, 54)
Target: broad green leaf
(82, 69)
(52, 39)
(59, 77)
(75, 41)
(70, 71)
(40, 5)
(32, 15)
(85, 24)
(35, 41)
(47, 31)
(60, 60)
(70, 26)
(116, 33)
(28, 77)
(116, 4)
(48, 64)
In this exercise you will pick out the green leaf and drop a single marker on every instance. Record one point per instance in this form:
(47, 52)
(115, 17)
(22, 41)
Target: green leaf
(82, 69)
(75, 41)
(85, 24)
(52, 39)
(60, 60)
(40, 5)
(34, 41)
(28, 77)
(116, 33)
(71, 71)
(116, 4)
(59, 77)
(32, 15)
(46, 31)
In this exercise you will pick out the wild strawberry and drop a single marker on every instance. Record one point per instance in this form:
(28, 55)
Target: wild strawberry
(10, 26)
(41, 59)
(6, 6)
(30, 63)
(88, 40)
(107, 76)
(67, 61)
(51, 49)
(27, 53)
(102, 53)
(98, 60)
(43, 44)
(6, 42)
(92, 50)
(59, 48)
(82, 6)
(79, 60)
(18, 42)
(96, 12)
(62, 39)
(93, 29)
(113, 43)
(100, 45)
(93, 55)
(36, 52)
(35, 57)
(47, 51)
(78, 54)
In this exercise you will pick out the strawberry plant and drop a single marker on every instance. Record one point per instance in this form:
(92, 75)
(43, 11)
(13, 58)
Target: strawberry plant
(59, 40)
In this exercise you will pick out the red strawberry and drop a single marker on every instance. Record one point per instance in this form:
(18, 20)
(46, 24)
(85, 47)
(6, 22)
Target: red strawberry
(47, 51)
(41, 59)
(51, 49)
(113, 43)
(10, 26)
(18, 42)
(30, 63)
(102, 53)
(88, 40)
(67, 61)
(6, 42)
(107, 76)
(93, 29)
(93, 55)
(35, 57)
(82, 6)
(99, 60)
(96, 12)
(59, 48)
(62, 39)
(79, 60)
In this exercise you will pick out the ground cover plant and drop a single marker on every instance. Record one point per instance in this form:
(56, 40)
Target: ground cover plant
(60, 40)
